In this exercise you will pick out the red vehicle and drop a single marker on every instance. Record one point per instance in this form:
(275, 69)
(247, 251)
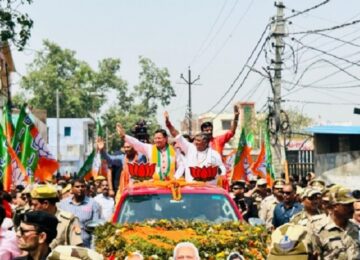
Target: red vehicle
(144, 201)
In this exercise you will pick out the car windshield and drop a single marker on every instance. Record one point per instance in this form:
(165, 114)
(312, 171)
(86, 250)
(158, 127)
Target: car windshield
(207, 207)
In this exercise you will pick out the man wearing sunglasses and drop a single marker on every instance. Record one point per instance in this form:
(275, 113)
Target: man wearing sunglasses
(311, 200)
(36, 231)
(287, 208)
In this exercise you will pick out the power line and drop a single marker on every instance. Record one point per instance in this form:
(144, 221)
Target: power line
(326, 53)
(243, 81)
(322, 60)
(307, 10)
(321, 102)
(209, 33)
(220, 28)
(328, 29)
(242, 69)
(227, 39)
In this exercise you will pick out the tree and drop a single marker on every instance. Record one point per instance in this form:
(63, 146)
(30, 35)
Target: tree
(154, 86)
(81, 88)
(14, 25)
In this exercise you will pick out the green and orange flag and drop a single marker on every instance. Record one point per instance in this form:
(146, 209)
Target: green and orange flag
(39, 163)
(9, 161)
(263, 166)
(88, 170)
(243, 161)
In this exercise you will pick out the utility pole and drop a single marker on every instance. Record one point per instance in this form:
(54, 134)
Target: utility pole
(189, 83)
(278, 33)
(57, 126)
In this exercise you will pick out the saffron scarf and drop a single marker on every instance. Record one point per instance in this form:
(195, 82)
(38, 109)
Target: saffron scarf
(171, 162)
(124, 177)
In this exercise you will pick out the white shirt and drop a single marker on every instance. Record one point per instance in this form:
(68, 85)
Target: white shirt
(193, 157)
(107, 206)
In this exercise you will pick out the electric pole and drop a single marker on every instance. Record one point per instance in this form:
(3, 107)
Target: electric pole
(278, 33)
(189, 83)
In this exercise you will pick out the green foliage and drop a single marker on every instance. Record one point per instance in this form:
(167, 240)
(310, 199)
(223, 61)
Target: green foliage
(154, 86)
(14, 25)
(81, 88)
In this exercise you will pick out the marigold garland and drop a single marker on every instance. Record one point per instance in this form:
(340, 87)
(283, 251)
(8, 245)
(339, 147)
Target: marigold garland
(156, 239)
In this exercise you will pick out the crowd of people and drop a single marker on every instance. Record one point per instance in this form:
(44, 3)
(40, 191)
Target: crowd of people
(42, 221)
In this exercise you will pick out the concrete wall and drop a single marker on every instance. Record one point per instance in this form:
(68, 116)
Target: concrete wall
(340, 168)
(74, 148)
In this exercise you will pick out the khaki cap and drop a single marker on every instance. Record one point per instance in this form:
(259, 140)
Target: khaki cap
(343, 196)
(73, 253)
(66, 189)
(317, 183)
(309, 192)
(45, 191)
(287, 243)
(100, 178)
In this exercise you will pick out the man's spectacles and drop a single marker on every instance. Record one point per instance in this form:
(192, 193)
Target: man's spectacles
(287, 192)
(24, 231)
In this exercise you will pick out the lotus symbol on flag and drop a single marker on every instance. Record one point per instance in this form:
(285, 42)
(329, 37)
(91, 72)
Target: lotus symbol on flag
(204, 173)
(141, 171)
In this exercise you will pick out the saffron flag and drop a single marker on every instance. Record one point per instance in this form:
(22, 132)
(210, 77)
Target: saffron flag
(8, 158)
(263, 166)
(243, 160)
(88, 170)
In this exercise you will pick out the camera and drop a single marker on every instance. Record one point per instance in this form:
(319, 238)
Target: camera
(140, 131)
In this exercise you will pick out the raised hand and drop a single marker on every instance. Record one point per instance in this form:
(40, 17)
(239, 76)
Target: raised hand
(100, 144)
(120, 130)
(166, 116)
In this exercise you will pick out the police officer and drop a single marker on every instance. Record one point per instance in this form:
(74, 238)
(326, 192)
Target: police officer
(267, 206)
(44, 198)
(311, 200)
(260, 192)
(334, 236)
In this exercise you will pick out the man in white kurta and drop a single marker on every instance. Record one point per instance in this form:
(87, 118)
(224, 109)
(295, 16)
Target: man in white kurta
(199, 154)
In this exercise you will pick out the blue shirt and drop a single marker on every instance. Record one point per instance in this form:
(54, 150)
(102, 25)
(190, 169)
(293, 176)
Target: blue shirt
(86, 211)
(283, 215)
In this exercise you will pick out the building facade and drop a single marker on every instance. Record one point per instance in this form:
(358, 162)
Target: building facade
(76, 141)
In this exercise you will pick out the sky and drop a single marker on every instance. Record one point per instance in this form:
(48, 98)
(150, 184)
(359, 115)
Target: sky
(214, 38)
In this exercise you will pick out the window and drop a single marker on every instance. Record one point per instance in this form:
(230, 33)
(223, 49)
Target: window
(67, 131)
(226, 124)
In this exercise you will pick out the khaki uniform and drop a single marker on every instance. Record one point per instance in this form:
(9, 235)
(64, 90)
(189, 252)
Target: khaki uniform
(302, 218)
(257, 199)
(332, 242)
(68, 230)
(266, 211)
